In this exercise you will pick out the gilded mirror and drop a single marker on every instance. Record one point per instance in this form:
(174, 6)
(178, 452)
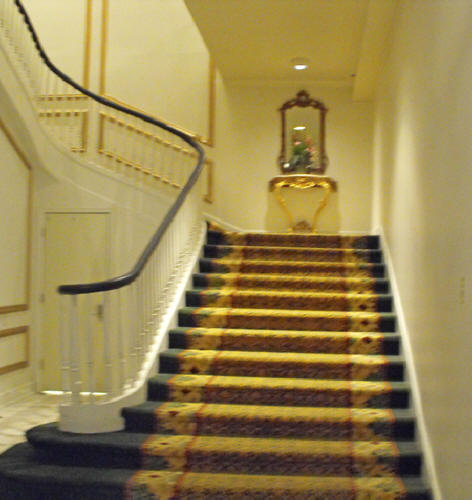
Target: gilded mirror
(303, 136)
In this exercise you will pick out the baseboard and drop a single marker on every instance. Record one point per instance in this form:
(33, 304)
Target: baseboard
(423, 437)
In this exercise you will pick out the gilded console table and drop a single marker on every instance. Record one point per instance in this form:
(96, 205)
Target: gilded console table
(302, 181)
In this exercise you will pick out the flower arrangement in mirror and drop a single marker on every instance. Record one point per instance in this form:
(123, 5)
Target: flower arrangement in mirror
(304, 155)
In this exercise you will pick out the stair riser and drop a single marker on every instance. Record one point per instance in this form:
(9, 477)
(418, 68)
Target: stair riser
(222, 319)
(293, 240)
(337, 343)
(265, 425)
(198, 460)
(308, 269)
(328, 431)
(396, 398)
(333, 371)
(292, 254)
(260, 464)
(308, 284)
(290, 301)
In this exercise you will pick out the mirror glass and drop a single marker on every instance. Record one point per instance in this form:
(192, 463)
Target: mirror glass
(303, 133)
(302, 140)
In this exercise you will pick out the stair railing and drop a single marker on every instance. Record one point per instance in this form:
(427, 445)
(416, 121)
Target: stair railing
(110, 329)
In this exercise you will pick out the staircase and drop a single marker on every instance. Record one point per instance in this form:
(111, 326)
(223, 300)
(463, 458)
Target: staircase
(284, 379)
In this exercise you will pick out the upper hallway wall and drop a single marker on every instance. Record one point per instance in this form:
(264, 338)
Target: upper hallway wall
(249, 138)
(423, 201)
(148, 54)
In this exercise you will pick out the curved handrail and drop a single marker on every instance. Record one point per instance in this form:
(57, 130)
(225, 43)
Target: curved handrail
(132, 275)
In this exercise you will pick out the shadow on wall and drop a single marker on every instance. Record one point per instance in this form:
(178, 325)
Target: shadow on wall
(302, 205)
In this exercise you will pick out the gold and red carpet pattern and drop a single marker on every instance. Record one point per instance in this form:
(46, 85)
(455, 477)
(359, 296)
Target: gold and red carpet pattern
(283, 378)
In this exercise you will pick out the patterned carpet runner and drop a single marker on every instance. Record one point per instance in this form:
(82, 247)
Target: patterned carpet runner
(283, 379)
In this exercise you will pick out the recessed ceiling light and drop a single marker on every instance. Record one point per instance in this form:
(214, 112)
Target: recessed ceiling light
(299, 127)
(300, 63)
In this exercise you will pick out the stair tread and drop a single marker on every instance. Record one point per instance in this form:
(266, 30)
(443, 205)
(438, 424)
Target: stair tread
(275, 333)
(294, 249)
(284, 312)
(283, 411)
(296, 263)
(279, 357)
(228, 381)
(48, 435)
(284, 340)
(277, 293)
(251, 266)
(297, 253)
(87, 483)
(283, 364)
(288, 277)
(292, 239)
(277, 299)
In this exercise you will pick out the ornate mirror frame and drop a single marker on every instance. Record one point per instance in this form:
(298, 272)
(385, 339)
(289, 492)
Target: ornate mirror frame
(304, 100)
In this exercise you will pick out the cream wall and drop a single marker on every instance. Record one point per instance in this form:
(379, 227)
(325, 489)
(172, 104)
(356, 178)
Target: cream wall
(248, 139)
(15, 374)
(157, 61)
(61, 30)
(423, 202)
(147, 54)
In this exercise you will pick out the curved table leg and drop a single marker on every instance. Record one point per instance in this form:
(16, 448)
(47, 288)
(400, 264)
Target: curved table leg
(327, 187)
(281, 201)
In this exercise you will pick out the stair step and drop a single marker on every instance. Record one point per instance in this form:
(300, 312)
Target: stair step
(284, 341)
(259, 299)
(227, 454)
(23, 477)
(278, 391)
(276, 364)
(358, 424)
(342, 269)
(290, 282)
(287, 319)
(292, 253)
(293, 240)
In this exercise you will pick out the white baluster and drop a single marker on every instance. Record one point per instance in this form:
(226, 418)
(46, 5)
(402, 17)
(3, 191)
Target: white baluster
(65, 332)
(107, 353)
(90, 348)
(74, 353)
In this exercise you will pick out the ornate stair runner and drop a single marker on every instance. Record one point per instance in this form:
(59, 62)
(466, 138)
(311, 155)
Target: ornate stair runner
(284, 379)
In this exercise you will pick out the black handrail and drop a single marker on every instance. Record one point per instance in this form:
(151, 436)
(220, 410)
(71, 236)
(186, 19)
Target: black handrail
(129, 277)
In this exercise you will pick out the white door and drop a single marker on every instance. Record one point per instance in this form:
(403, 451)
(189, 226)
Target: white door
(76, 251)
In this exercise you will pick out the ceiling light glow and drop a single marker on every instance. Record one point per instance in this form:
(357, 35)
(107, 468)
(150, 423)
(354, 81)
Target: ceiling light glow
(300, 63)
(299, 127)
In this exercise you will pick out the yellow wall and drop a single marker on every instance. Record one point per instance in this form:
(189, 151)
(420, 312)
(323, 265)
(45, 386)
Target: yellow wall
(248, 143)
(148, 54)
(15, 375)
(422, 199)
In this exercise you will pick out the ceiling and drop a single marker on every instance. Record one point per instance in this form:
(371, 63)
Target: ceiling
(255, 40)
